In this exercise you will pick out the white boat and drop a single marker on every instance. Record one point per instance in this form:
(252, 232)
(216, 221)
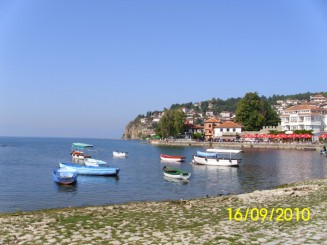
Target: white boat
(169, 158)
(175, 173)
(119, 154)
(78, 150)
(217, 157)
(94, 162)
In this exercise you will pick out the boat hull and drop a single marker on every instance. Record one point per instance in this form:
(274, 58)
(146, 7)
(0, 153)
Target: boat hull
(216, 161)
(174, 176)
(175, 173)
(65, 177)
(91, 170)
(168, 158)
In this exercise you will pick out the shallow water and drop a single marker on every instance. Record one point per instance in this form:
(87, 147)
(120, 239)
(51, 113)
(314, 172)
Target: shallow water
(26, 173)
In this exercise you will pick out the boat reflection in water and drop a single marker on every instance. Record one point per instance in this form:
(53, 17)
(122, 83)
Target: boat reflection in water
(179, 181)
(66, 188)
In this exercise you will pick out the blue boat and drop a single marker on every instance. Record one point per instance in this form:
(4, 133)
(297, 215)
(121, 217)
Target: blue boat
(90, 170)
(65, 176)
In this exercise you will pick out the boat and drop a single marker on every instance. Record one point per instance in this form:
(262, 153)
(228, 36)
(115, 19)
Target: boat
(175, 173)
(94, 162)
(78, 150)
(119, 154)
(90, 170)
(65, 176)
(217, 157)
(168, 158)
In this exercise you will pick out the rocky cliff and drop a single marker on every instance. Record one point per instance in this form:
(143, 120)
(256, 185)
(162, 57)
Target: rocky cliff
(136, 130)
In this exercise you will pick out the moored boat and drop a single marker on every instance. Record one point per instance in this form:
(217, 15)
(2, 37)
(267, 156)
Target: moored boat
(119, 154)
(169, 158)
(91, 170)
(64, 176)
(175, 173)
(217, 157)
(78, 150)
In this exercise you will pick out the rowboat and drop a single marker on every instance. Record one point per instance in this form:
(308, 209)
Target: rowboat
(78, 150)
(168, 158)
(175, 173)
(64, 176)
(119, 154)
(217, 157)
(94, 162)
(90, 170)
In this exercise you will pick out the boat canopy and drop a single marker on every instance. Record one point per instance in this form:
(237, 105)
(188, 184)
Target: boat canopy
(81, 145)
(224, 151)
(205, 154)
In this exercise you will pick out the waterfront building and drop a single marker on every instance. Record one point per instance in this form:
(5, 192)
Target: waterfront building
(228, 130)
(190, 129)
(306, 117)
(209, 127)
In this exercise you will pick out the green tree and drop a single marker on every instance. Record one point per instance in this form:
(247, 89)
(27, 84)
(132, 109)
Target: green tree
(171, 123)
(254, 113)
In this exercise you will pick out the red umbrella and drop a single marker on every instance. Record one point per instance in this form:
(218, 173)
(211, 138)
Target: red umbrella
(307, 136)
(280, 136)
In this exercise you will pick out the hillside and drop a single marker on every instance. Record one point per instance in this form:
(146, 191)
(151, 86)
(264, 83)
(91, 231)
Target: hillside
(144, 125)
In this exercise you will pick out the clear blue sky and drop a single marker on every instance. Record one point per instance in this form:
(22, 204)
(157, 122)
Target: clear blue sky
(85, 68)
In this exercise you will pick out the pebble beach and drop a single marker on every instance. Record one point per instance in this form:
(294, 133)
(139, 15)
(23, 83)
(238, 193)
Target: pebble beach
(199, 221)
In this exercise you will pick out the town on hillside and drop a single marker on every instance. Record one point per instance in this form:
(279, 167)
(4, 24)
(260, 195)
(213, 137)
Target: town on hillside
(294, 114)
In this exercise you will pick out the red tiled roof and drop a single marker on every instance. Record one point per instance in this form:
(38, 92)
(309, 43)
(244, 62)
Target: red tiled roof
(302, 107)
(229, 124)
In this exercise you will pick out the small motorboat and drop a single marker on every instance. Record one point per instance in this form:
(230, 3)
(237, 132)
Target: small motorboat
(78, 150)
(168, 158)
(65, 176)
(175, 173)
(90, 170)
(119, 154)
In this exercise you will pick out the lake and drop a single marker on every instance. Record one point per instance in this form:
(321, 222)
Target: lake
(26, 166)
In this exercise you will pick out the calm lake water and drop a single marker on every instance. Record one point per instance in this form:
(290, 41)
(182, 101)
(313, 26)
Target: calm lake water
(26, 173)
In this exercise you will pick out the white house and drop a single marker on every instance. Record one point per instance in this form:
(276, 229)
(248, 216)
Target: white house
(227, 130)
(306, 117)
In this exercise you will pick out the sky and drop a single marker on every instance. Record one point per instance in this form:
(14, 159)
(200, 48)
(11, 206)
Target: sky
(85, 68)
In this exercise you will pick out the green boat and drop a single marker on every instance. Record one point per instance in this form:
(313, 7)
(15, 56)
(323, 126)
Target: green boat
(175, 173)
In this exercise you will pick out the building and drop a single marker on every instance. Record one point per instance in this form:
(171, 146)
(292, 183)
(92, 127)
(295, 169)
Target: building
(190, 129)
(307, 117)
(318, 98)
(228, 130)
(209, 127)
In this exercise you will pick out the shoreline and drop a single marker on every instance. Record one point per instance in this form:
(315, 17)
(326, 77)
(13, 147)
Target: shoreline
(198, 221)
(262, 145)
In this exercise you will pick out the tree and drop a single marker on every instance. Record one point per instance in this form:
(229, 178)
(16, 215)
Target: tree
(171, 123)
(254, 113)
